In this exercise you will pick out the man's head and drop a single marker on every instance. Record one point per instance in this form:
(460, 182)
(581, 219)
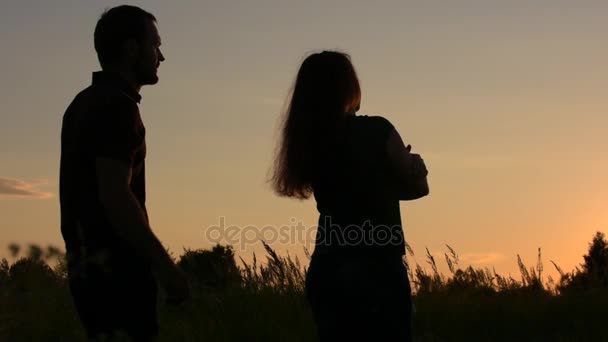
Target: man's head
(126, 39)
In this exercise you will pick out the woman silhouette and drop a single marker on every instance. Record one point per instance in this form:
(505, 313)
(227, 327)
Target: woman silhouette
(358, 169)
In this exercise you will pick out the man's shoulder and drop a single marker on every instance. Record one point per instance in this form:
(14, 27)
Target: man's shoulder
(103, 101)
(109, 97)
(100, 108)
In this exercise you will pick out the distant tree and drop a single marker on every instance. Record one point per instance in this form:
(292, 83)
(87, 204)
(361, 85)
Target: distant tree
(61, 268)
(14, 249)
(53, 252)
(35, 252)
(215, 268)
(4, 277)
(593, 273)
(596, 261)
(29, 274)
(32, 271)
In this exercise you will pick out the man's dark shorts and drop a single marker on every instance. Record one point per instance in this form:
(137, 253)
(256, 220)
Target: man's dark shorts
(121, 299)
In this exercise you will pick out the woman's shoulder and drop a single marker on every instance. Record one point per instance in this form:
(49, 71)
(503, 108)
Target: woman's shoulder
(374, 123)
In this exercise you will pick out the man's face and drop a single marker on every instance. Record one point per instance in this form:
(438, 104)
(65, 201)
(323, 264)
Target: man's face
(149, 56)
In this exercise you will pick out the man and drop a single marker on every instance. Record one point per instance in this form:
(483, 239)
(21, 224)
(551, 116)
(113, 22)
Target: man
(114, 258)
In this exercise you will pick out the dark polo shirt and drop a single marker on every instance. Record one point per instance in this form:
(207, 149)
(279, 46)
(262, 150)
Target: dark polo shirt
(103, 121)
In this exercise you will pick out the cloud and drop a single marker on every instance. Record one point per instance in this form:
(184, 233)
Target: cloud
(18, 188)
(480, 258)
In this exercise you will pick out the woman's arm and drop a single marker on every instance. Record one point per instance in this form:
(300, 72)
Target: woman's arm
(409, 169)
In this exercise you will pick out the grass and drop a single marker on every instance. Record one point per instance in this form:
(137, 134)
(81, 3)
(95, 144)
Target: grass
(264, 301)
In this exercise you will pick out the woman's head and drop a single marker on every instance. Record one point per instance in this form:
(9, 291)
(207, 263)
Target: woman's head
(327, 83)
(325, 90)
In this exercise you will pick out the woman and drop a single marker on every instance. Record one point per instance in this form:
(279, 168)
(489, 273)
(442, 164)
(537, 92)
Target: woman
(358, 169)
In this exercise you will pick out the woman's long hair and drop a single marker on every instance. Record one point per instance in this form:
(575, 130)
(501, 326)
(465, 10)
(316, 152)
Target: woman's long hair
(325, 90)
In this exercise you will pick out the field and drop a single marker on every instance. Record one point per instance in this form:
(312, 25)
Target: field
(264, 301)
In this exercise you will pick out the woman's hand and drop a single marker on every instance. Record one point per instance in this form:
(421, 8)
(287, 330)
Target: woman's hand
(409, 169)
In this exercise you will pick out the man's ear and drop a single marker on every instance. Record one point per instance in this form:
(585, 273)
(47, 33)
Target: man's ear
(131, 48)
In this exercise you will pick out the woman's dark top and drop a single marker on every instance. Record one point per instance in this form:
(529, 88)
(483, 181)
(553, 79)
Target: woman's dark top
(352, 189)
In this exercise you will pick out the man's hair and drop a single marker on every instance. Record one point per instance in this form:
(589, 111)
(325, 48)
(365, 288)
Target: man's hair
(115, 27)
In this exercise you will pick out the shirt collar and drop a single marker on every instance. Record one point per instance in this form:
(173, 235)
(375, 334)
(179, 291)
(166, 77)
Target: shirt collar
(114, 80)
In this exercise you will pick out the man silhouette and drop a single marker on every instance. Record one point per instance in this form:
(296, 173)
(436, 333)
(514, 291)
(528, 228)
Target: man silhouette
(114, 258)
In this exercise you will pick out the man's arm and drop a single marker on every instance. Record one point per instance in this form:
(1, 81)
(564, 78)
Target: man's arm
(409, 169)
(130, 222)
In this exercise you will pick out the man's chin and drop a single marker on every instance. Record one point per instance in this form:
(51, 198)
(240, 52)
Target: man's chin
(146, 77)
(151, 80)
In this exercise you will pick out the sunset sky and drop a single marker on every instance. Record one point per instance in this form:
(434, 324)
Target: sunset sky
(505, 100)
